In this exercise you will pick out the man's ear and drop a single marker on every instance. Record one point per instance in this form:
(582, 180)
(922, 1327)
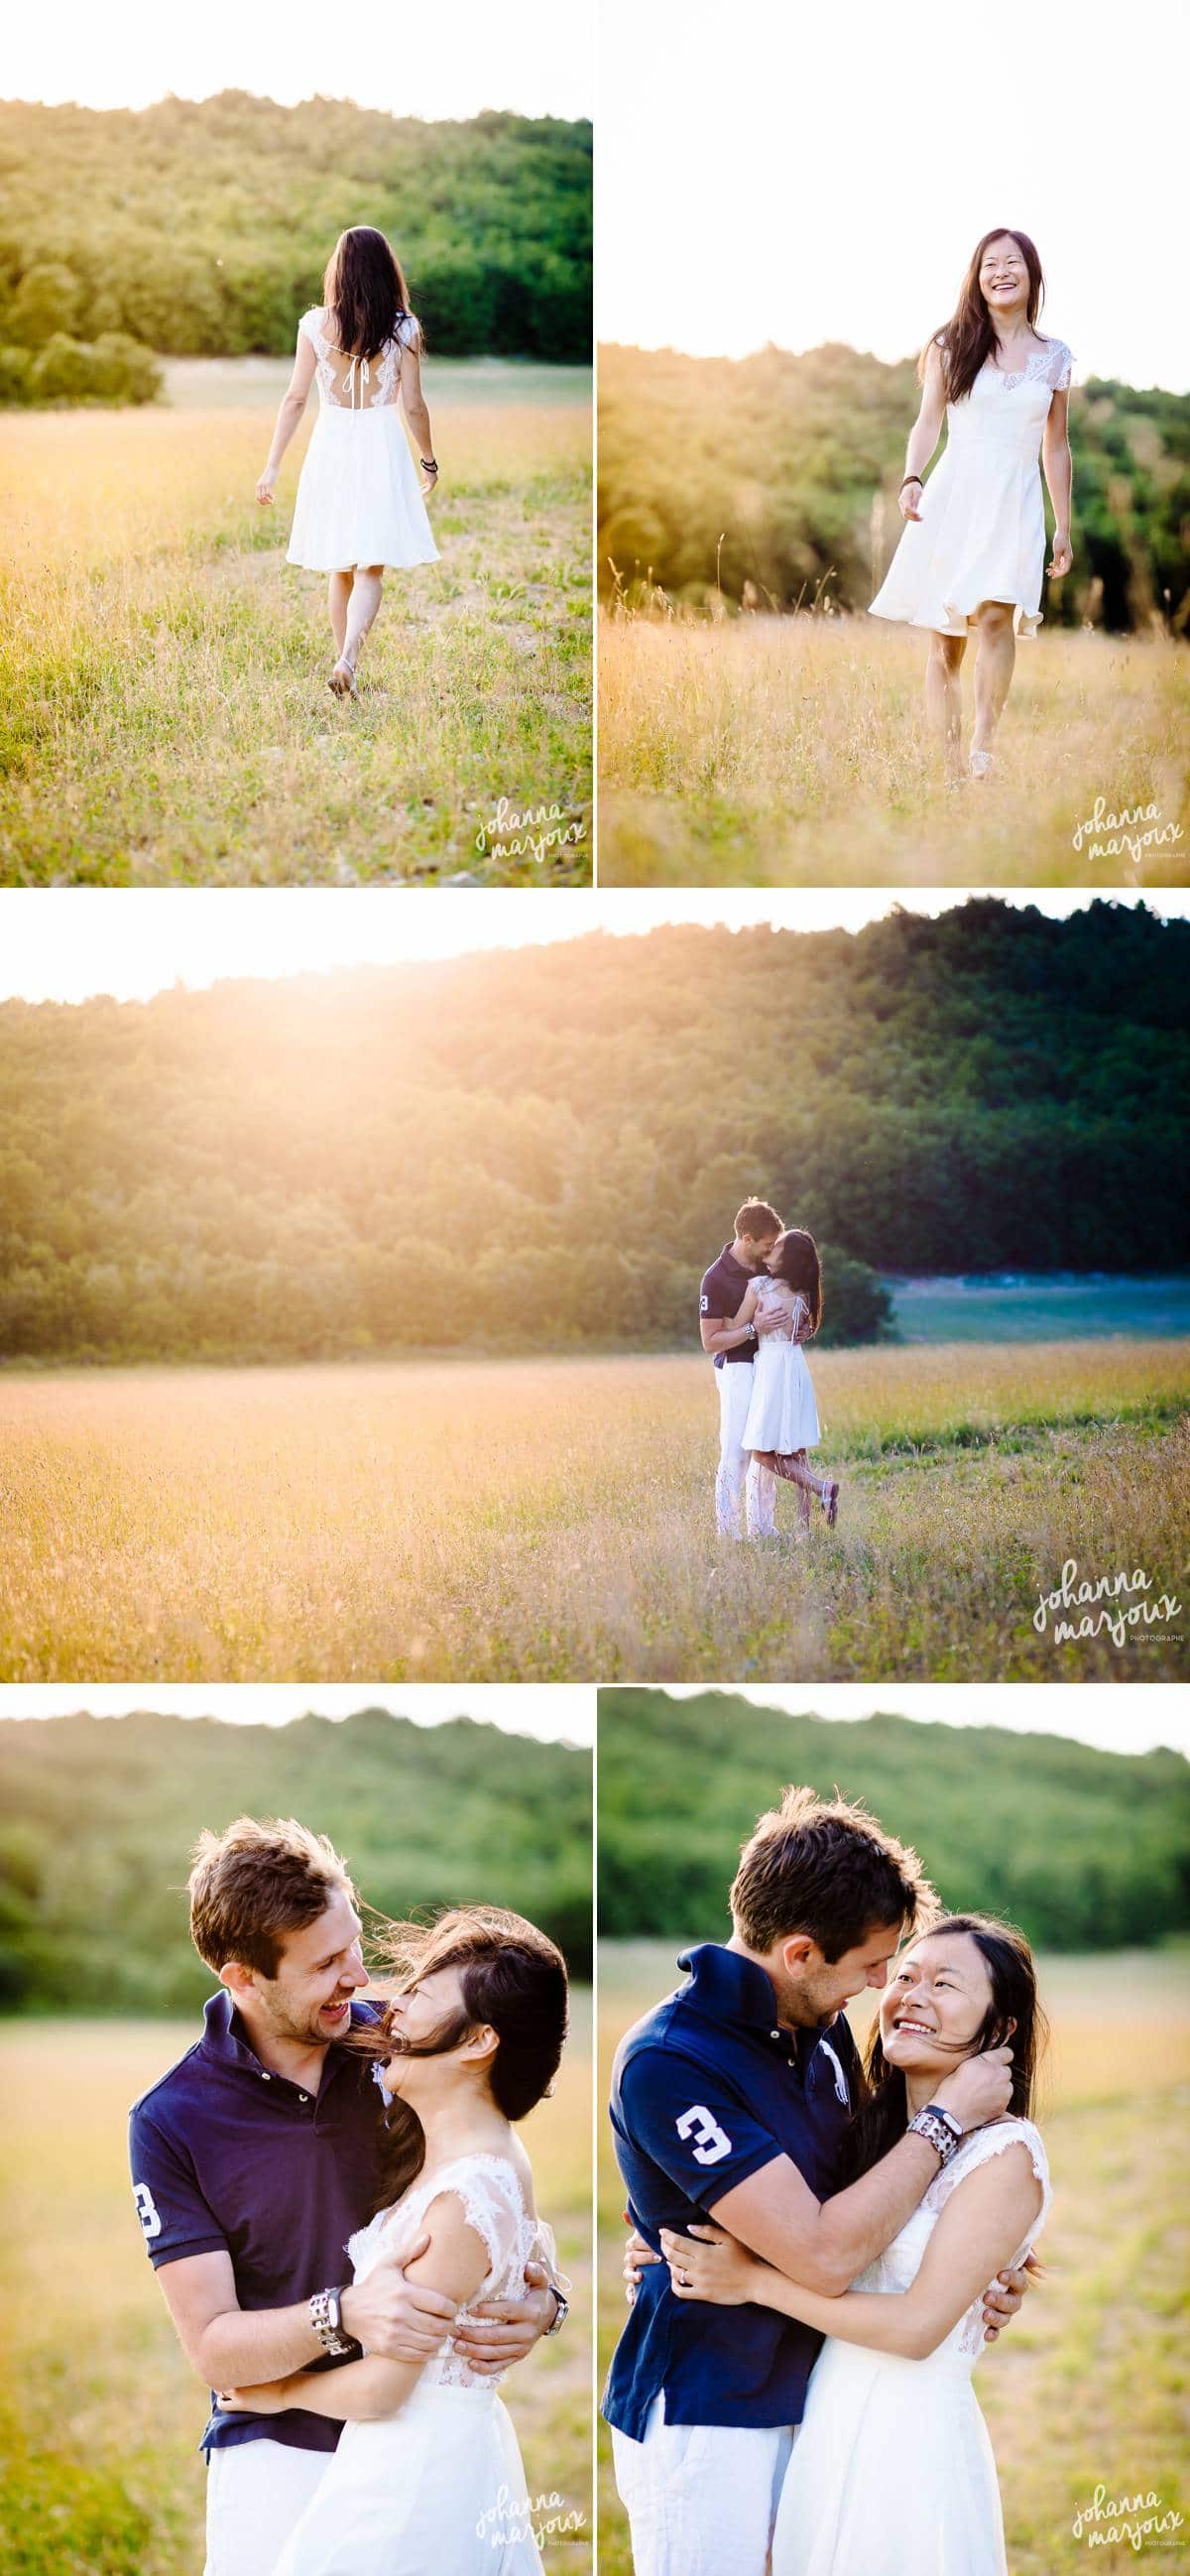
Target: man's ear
(797, 1953)
(238, 1979)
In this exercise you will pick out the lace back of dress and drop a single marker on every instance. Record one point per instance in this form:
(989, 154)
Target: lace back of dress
(349, 382)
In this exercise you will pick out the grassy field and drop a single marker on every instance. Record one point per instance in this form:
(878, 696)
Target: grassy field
(788, 751)
(1089, 2386)
(99, 2413)
(547, 1520)
(164, 714)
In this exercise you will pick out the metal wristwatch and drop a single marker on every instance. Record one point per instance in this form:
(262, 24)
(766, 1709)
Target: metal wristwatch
(561, 2313)
(940, 2129)
(326, 2317)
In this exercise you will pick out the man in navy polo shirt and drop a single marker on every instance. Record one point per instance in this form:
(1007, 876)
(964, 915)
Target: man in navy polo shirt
(731, 2102)
(253, 2161)
(721, 1296)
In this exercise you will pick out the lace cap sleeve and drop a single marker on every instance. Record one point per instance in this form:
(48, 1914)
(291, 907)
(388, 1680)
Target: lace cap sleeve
(979, 2149)
(1061, 367)
(492, 2204)
(408, 333)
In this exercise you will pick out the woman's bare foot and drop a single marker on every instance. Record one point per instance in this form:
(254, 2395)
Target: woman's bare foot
(342, 679)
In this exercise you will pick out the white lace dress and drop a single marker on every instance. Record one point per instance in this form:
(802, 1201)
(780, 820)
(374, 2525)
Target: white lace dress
(782, 1413)
(981, 534)
(892, 2472)
(359, 499)
(437, 2489)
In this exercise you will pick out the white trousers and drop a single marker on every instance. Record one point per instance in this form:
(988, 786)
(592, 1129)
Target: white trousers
(255, 2494)
(735, 1395)
(701, 2499)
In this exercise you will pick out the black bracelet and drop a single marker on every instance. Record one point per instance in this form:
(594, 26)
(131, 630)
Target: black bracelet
(429, 465)
(911, 478)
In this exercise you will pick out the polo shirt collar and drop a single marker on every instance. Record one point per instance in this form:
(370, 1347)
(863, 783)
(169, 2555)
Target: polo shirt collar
(731, 1988)
(225, 2040)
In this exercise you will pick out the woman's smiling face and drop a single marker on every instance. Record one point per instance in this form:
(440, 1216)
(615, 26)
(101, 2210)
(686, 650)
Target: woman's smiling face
(1003, 274)
(934, 2004)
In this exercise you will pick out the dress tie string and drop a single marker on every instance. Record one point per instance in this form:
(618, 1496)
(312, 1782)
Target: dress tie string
(351, 380)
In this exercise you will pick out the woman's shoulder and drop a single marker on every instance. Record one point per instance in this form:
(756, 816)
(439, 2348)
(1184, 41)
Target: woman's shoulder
(996, 2137)
(313, 320)
(408, 332)
(1060, 359)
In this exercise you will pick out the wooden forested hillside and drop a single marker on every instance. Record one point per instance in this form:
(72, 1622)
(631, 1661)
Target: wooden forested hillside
(780, 473)
(206, 226)
(100, 1816)
(1085, 1850)
(544, 1147)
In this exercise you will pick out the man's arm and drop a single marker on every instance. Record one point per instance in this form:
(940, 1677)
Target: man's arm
(229, 2346)
(457, 2260)
(726, 1332)
(1000, 2202)
(824, 2243)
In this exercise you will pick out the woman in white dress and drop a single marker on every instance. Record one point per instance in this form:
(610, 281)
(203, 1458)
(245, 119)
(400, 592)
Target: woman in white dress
(359, 502)
(782, 1421)
(971, 553)
(427, 2479)
(892, 2471)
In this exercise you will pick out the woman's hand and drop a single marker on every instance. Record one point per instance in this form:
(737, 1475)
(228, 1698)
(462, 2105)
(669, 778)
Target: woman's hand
(708, 2264)
(1061, 555)
(637, 2253)
(266, 488)
(908, 499)
(429, 482)
(271, 2398)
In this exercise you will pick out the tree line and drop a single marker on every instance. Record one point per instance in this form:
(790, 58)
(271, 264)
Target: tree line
(1023, 1826)
(100, 1816)
(203, 228)
(543, 1148)
(771, 481)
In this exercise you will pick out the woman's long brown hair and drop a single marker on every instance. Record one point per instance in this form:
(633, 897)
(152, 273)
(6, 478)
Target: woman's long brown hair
(364, 289)
(513, 1978)
(970, 336)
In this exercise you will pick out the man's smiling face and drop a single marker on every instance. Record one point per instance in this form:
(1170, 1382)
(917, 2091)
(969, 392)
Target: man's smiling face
(320, 1968)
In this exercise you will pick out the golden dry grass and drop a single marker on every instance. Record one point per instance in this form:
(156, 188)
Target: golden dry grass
(789, 751)
(1089, 2386)
(164, 714)
(552, 1520)
(99, 2412)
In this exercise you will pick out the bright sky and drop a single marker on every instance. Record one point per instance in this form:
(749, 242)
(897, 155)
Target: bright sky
(528, 54)
(63, 943)
(566, 1713)
(802, 174)
(1119, 1717)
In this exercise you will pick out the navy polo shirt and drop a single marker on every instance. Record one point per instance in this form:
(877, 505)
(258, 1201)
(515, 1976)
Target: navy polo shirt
(724, 1288)
(228, 2157)
(705, 2091)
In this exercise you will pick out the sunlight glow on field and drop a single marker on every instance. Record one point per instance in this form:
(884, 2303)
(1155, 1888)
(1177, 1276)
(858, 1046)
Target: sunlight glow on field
(526, 1520)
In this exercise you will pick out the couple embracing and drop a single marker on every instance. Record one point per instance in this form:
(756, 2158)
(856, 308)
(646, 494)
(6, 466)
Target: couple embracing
(758, 1303)
(814, 2237)
(341, 2217)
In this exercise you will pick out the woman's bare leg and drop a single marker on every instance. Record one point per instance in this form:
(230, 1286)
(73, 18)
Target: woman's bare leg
(995, 657)
(366, 594)
(795, 1467)
(340, 593)
(944, 697)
